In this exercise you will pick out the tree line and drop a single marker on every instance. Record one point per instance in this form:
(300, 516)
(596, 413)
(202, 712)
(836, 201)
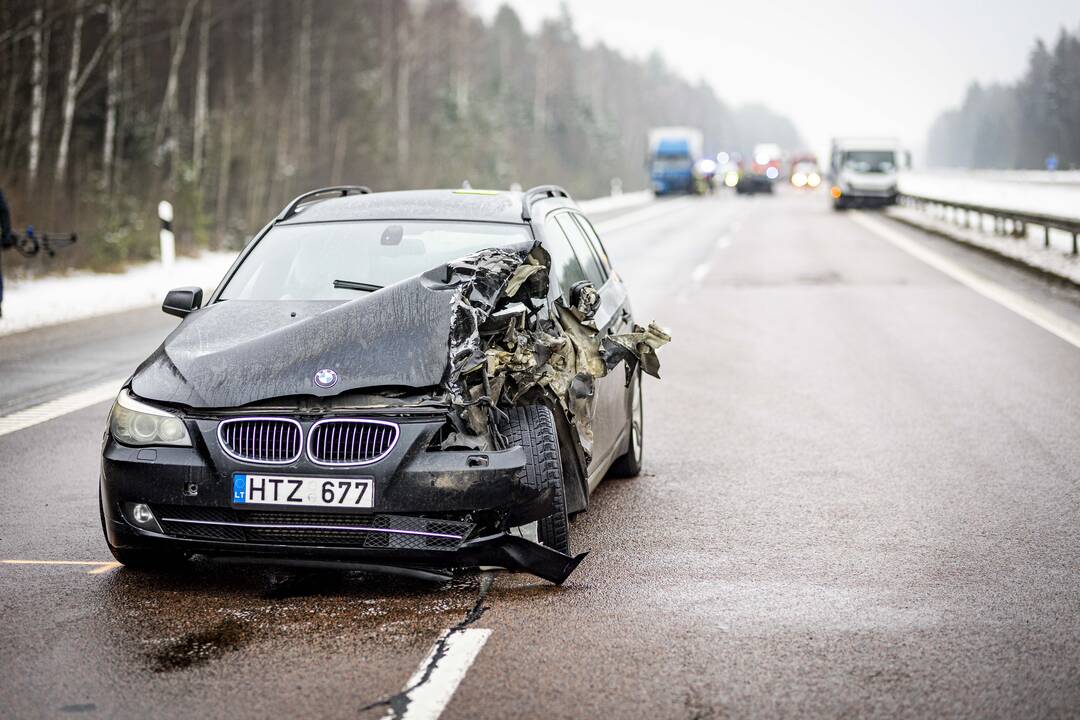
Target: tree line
(1018, 125)
(228, 109)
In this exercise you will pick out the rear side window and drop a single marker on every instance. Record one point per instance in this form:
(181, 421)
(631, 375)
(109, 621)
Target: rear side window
(564, 263)
(585, 255)
(597, 246)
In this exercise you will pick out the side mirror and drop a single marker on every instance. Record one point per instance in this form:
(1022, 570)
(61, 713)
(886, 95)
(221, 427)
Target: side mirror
(584, 300)
(182, 301)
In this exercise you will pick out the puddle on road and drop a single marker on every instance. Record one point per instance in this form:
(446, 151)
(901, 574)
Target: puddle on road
(174, 622)
(199, 647)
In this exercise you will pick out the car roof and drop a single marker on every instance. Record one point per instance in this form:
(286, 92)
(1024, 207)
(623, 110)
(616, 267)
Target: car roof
(453, 205)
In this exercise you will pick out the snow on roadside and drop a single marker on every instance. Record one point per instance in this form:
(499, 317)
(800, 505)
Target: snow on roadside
(1000, 190)
(616, 202)
(56, 299)
(1027, 250)
(1056, 177)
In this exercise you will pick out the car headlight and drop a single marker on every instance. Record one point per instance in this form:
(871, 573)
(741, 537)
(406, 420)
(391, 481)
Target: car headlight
(135, 423)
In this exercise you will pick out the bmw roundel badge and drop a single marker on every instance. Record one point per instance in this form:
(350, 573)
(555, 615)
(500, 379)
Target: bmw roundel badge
(326, 378)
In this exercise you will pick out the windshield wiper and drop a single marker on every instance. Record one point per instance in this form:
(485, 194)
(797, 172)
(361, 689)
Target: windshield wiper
(354, 285)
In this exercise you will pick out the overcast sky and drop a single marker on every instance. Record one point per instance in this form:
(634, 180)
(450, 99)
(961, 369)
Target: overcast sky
(835, 67)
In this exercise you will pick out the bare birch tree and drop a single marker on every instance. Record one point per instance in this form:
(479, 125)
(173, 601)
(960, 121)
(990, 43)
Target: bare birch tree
(167, 116)
(202, 92)
(77, 77)
(70, 92)
(112, 95)
(303, 85)
(37, 95)
(258, 24)
(401, 92)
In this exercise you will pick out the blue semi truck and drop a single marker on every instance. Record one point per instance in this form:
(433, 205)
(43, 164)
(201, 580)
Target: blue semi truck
(673, 153)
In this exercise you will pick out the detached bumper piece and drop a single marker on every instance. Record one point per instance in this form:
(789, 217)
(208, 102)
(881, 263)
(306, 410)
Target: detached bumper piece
(517, 553)
(388, 540)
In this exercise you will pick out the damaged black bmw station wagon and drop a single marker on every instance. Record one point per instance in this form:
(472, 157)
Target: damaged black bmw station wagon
(411, 381)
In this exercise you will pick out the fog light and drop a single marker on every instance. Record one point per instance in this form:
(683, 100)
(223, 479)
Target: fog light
(141, 514)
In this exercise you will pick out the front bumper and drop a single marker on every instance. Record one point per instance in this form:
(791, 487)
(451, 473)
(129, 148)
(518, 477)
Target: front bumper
(859, 198)
(433, 508)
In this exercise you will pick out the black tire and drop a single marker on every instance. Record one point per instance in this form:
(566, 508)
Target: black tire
(628, 465)
(533, 428)
(140, 559)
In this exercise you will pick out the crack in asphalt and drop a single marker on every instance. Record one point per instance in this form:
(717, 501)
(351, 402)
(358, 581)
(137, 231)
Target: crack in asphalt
(399, 702)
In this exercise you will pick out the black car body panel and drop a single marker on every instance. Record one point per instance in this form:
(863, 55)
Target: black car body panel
(434, 356)
(238, 352)
(411, 479)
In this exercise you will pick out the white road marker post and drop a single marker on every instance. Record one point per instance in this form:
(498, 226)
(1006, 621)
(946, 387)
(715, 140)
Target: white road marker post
(168, 240)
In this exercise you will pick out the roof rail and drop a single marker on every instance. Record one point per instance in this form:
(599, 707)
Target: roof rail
(341, 190)
(538, 193)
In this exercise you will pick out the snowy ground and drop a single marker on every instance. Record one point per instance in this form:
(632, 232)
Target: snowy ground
(51, 300)
(1024, 191)
(56, 299)
(616, 202)
(1057, 260)
(1043, 193)
(1058, 177)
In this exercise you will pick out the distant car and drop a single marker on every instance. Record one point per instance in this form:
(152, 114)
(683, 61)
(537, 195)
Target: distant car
(751, 183)
(410, 380)
(805, 174)
(767, 160)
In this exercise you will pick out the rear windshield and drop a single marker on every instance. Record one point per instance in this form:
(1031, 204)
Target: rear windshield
(302, 262)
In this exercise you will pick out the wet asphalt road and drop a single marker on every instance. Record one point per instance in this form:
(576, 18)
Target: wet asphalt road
(860, 498)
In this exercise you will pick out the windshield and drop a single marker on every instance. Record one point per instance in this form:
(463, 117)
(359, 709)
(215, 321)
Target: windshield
(302, 262)
(870, 161)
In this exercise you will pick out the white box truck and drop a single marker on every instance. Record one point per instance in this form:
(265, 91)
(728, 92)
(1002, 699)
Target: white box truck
(863, 172)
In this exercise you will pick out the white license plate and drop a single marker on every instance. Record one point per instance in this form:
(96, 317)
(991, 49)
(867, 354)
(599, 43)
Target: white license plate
(251, 489)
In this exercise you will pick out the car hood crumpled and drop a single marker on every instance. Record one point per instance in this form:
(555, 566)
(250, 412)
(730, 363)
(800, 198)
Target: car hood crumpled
(238, 352)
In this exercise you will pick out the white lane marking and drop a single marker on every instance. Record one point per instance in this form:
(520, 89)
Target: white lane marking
(104, 568)
(429, 690)
(701, 270)
(61, 406)
(654, 210)
(1027, 309)
(100, 566)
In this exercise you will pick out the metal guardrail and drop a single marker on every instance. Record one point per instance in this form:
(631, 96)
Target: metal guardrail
(1006, 222)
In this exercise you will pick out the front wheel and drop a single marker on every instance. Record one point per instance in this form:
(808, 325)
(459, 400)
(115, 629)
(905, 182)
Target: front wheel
(533, 428)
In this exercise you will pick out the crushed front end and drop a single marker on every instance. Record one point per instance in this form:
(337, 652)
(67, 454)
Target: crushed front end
(396, 458)
(249, 482)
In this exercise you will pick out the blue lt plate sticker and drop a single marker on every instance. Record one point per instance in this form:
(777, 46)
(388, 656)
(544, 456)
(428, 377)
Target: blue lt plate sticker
(239, 488)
